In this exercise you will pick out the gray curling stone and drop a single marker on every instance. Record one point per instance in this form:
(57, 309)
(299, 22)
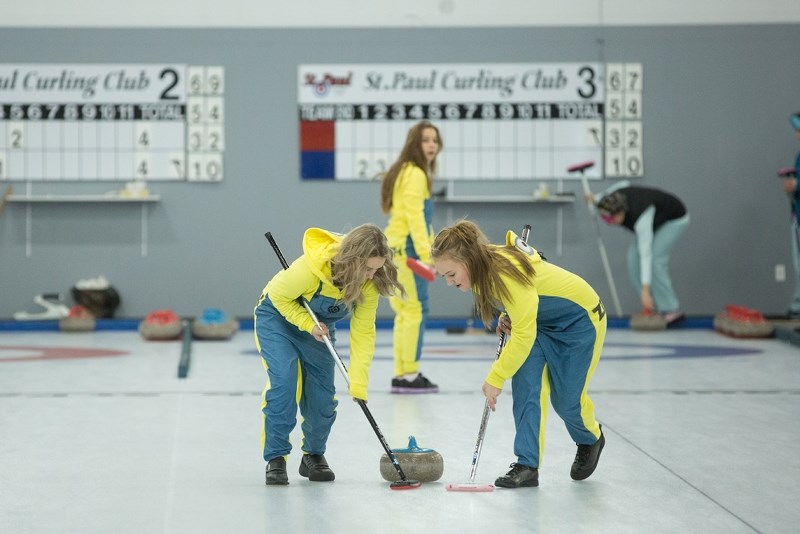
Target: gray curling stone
(214, 324)
(79, 320)
(424, 465)
(648, 321)
(224, 330)
(738, 321)
(77, 324)
(160, 325)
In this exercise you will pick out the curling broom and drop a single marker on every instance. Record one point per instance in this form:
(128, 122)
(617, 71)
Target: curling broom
(580, 167)
(476, 455)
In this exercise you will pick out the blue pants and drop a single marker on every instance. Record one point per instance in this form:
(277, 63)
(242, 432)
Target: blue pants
(794, 307)
(300, 373)
(664, 239)
(559, 366)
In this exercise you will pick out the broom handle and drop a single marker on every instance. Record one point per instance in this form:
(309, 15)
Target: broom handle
(476, 455)
(587, 191)
(603, 256)
(4, 198)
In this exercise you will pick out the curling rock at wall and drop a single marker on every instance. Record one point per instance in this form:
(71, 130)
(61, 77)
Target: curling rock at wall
(160, 324)
(648, 321)
(425, 465)
(79, 319)
(214, 324)
(739, 321)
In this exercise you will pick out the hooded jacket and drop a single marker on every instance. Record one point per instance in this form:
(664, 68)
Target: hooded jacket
(303, 278)
(410, 219)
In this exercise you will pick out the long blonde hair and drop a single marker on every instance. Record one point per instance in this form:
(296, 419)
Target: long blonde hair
(348, 265)
(463, 242)
(411, 153)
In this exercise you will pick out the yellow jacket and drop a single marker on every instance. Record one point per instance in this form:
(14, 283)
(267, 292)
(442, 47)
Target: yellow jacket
(556, 298)
(302, 279)
(411, 215)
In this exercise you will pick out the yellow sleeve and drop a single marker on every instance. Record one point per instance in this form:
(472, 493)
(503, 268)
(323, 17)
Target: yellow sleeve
(287, 286)
(415, 193)
(362, 340)
(522, 311)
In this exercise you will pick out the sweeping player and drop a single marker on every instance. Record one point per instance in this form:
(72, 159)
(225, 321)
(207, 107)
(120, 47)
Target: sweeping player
(789, 183)
(406, 197)
(657, 219)
(336, 275)
(557, 326)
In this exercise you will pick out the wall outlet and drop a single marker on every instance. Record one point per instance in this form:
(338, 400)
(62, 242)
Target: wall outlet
(780, 272)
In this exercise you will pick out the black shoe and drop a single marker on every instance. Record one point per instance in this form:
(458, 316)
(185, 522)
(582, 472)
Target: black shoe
(586, 459)
(520, 476)
(420, 384)
(276, 472)
(315, 467)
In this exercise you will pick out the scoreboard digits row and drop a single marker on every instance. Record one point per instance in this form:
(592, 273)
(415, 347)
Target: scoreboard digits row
(158, 123)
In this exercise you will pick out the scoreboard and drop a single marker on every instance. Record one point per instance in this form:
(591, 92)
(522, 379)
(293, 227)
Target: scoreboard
(503, 121)
(105, 122)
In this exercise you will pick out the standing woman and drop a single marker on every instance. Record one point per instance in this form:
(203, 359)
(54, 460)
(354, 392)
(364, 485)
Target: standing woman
(336, 275)
(406, 197)
(557, 325)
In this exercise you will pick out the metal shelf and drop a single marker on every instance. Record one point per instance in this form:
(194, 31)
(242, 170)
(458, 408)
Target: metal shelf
(81, 198)
(540, 197)
(530, 199)
(29, 199)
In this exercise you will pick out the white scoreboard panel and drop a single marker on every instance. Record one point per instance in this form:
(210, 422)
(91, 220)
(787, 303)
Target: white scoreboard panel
(101, 122)
(497, 121)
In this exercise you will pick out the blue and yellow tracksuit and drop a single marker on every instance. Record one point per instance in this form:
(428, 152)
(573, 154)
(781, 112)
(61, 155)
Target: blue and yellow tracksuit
(558, 326)
(410, 234)
(300, 369)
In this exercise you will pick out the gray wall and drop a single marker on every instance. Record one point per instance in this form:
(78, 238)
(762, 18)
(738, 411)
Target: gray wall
(716, 103)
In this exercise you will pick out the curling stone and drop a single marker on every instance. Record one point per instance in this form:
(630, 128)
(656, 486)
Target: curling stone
(742, 322)
(159, 325)
(79, 319)
(214, 324)
(425, 465)
(648, 321)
